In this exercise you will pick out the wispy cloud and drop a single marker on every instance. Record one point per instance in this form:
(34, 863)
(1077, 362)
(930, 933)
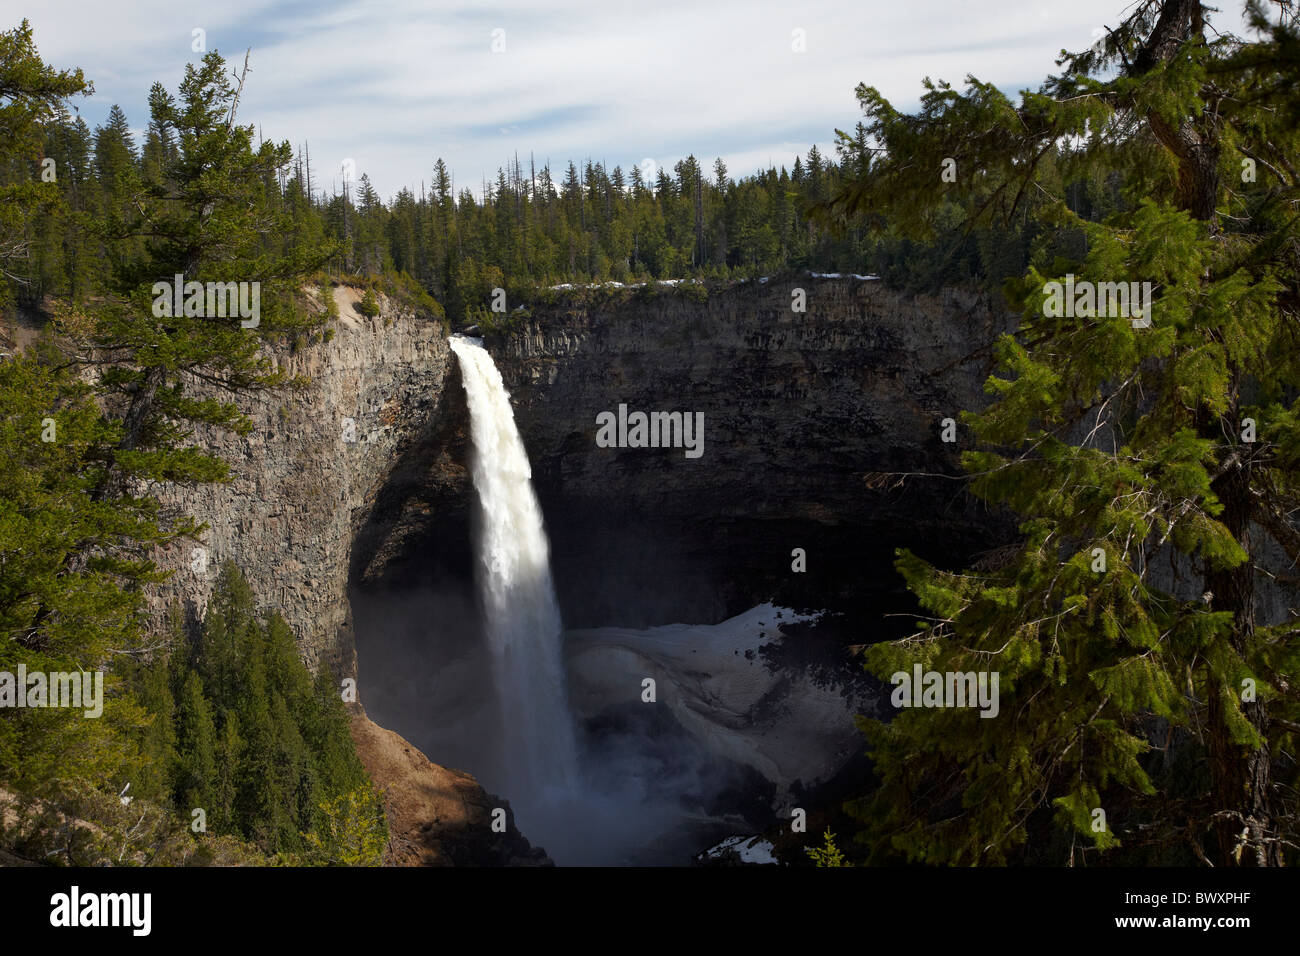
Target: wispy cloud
(394, 84)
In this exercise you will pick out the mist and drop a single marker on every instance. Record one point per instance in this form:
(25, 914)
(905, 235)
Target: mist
(647, 793)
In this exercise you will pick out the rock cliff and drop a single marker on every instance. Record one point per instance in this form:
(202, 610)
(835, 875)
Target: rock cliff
(799, 409)
(306, 476)
(354, 491)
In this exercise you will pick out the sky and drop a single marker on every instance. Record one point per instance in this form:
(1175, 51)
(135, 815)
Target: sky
(386, 86)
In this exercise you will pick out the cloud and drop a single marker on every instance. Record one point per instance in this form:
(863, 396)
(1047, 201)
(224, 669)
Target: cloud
(396, 84)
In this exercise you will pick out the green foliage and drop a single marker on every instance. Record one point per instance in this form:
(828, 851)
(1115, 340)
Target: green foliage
(828, 854)
(234, 724)
(406, 290)
(369, 304)
(57, 616)
(353, 830)
(1118, 440)
(30, 91)
(262, 747)
(326, 292)
(491, 323)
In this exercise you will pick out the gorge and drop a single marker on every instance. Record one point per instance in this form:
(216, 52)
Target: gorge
(368, 548)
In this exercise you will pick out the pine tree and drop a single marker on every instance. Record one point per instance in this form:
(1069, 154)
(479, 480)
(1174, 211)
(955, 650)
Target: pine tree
(53, 618)
(222, 814)
(196, 743)
(65, 253)
(115, 155)
(30, 91)
(160, 147)
(206, 222)
(1139, 713)
(229, 644)
(828, 854)
(353, 832)
(152, 682)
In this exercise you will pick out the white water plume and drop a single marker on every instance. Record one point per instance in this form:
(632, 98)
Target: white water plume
(522, 617)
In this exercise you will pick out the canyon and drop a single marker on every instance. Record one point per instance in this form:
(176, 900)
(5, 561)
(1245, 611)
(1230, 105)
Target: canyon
(351, 511)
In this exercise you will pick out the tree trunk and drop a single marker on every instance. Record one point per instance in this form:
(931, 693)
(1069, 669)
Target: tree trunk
(1240, 776)
(137, 416)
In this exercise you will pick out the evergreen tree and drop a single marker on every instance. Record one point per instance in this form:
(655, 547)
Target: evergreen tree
(206, 222)
(30, 90)
(196, 744)
(52, 618)
(152, 683)
(1137, 713)
(222, 814)
(265, 748)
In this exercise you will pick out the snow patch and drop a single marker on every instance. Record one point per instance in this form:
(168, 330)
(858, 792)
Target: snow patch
(748, 630)
(748, 849)
(611, 284)
(716, 683)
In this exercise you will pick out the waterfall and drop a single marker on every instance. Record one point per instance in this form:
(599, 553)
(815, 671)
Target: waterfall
(522, 617)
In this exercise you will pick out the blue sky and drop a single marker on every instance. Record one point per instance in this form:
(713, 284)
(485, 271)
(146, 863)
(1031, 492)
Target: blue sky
(392, 84)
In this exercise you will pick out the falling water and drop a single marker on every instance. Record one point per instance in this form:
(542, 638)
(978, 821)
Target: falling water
(522, 617)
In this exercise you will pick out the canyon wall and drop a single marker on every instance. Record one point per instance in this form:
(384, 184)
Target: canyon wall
(304, 478)
(361, 478)
(799, 409)
(354, 491)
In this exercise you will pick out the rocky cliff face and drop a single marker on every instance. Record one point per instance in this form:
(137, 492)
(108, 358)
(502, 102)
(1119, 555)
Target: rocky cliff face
(306, 476)
(799, 409)
(305, 482)
(355, 492)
